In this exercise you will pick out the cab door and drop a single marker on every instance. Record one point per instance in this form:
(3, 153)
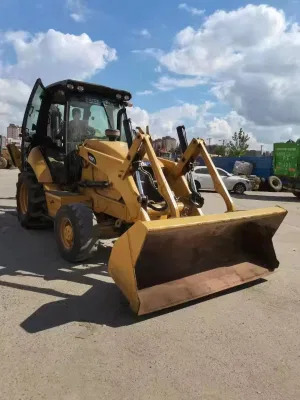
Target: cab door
(29, 125)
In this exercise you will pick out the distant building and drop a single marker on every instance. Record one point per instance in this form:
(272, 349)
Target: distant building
(169, 143)
(13, 132)
(164, 145)
(3, 141)
(157, 144)
(16, 141)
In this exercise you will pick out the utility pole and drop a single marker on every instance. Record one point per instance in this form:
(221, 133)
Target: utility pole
(209, 140)
(261, 149)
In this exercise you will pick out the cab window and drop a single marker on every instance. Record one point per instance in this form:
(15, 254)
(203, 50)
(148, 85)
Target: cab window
(222, 173)
(202, 170)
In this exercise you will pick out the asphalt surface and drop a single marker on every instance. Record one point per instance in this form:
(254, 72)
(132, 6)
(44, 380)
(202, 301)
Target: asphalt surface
(66, 332)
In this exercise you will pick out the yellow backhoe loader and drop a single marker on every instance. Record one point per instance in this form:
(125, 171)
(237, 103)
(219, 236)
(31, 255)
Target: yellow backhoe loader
(82, 162)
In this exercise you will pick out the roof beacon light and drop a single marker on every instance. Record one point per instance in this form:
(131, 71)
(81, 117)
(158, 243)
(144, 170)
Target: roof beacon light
(80, 88)
(126, 97)
(118, 96)
(70, 86)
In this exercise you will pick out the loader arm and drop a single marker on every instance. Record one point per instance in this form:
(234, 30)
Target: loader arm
(196, 148)
(143, 140)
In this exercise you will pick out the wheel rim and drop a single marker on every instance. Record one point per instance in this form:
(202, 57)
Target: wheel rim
(23, 198)
(66, 233)
(239, 189)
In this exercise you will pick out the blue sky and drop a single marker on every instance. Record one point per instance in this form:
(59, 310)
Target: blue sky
(131, 27)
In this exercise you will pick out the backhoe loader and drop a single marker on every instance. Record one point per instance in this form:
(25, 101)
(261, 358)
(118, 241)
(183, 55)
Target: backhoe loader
(83, 166)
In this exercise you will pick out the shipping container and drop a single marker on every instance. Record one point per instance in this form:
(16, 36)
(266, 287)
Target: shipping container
(287, 160)
(262, 165)
(287, 165)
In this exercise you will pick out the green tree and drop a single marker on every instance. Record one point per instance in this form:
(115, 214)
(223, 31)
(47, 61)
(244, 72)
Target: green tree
(239, 144)
(220, 151)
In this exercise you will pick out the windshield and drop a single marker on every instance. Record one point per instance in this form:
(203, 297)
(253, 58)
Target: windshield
(89, 117)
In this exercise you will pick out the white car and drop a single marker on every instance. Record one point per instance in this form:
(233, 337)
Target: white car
(233, 183)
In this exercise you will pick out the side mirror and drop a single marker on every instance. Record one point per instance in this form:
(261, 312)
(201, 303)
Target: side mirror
(33, 127)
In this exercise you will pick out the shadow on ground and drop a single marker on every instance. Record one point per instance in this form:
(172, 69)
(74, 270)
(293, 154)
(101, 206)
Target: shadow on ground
(34, 253)
(272, 197)
(102, 304)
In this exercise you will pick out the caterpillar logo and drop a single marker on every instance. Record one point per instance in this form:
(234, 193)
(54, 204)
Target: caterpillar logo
(92, 159)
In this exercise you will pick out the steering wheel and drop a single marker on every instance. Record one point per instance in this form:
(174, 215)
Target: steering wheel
(90, 132)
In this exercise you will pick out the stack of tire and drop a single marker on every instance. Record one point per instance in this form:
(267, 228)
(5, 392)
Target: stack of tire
(275, 183)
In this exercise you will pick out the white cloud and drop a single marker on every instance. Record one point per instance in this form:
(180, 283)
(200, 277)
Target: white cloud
(251, 58)
(13, 98)
(144, 33)
(139, 117)
(165, 121)
(166, 83)
(223, 128)
(144, 93)
(78, 10)
(54, 55)
(192, 10)
(200, 122)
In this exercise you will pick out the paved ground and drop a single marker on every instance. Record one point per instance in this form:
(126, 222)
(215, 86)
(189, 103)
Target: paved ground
(67, 333)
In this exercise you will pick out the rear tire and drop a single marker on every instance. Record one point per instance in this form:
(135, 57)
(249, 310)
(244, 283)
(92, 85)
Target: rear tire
(74, 231)
(275, 183)
(3, 163)
(31, 202)
(239, 188)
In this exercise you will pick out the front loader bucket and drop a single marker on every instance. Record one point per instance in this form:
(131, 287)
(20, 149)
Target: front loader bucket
(158, 264)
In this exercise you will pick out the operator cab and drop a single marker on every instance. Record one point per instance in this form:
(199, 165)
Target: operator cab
(63, 115)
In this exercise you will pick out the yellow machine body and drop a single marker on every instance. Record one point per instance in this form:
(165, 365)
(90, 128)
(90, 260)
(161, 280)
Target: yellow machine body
(171, 254)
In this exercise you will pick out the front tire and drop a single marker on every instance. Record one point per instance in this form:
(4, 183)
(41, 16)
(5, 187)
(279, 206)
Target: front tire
(31, 202)
(239, 188)
(74, 231)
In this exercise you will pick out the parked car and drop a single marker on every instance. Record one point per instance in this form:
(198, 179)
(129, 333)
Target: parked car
(233, 183)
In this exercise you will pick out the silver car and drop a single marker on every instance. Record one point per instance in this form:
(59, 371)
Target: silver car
(233, 183)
